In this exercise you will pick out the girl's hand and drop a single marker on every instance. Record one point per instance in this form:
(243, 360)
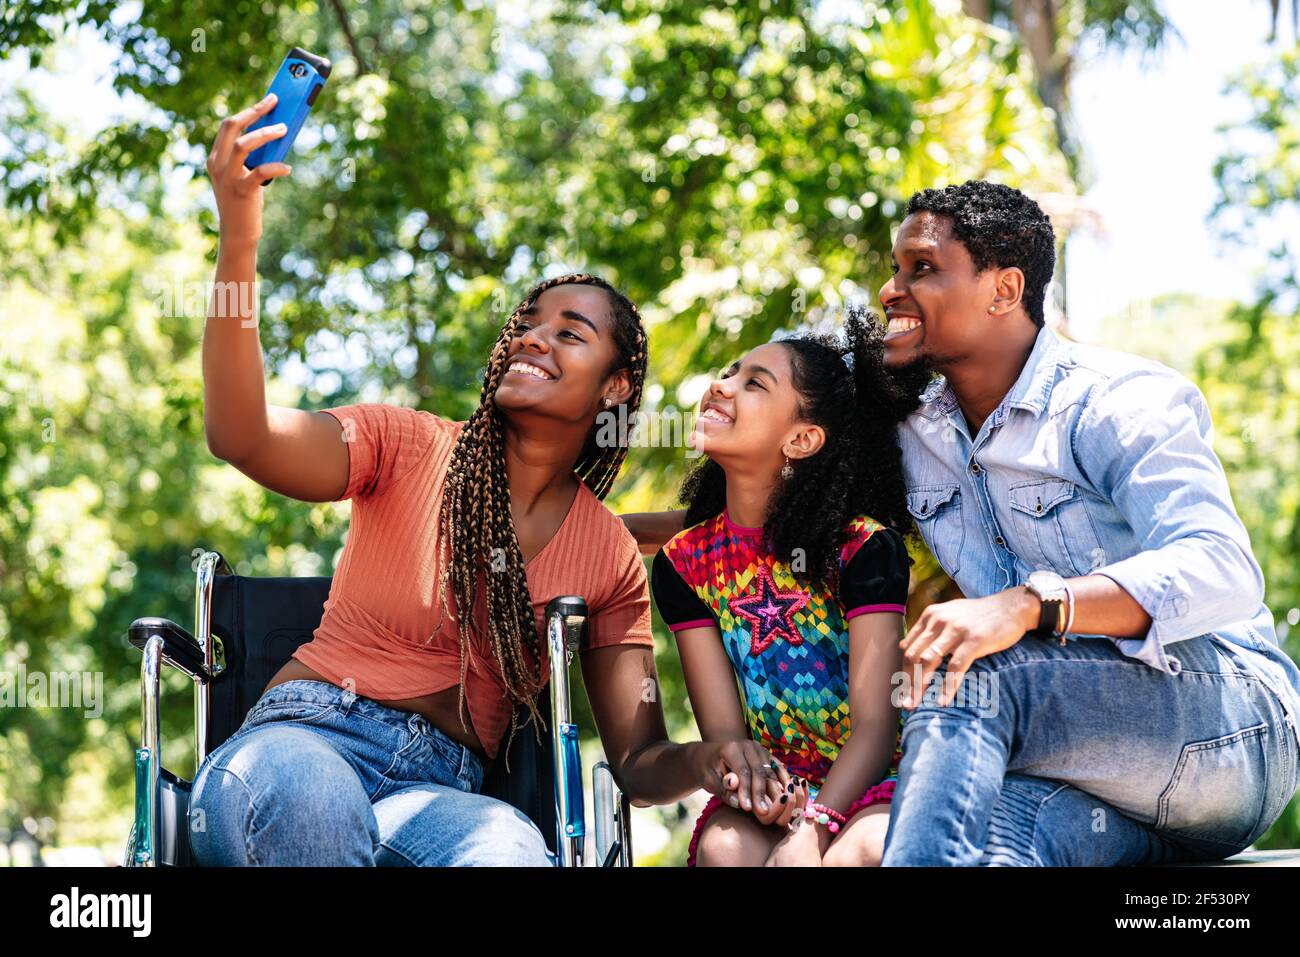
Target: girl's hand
(239, 190)
(785, 804)
(802, 847)
(757, 784)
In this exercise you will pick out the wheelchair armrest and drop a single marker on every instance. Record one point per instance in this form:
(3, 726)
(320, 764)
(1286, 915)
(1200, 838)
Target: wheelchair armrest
(180, 649)
(572, 610)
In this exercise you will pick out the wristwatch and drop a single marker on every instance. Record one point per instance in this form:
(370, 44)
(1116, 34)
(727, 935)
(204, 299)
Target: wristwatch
(1050, 590)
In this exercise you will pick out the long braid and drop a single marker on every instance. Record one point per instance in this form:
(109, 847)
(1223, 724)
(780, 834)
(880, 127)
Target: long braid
(475, 527)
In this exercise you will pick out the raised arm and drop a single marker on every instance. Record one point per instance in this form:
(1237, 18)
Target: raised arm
(296, 453)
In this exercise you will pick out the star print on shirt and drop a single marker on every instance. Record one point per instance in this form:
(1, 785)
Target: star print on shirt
(769, 612)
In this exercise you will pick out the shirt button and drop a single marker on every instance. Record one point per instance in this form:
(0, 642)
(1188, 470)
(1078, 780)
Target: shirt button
(975, 469)
(999, 540)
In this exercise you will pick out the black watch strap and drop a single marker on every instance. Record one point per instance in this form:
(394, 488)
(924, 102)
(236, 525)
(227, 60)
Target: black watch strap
(1049, 616)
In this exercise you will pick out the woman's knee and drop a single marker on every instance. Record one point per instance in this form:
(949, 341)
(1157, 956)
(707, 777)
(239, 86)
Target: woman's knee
(441, 826)
(279, 795)
(503, 836)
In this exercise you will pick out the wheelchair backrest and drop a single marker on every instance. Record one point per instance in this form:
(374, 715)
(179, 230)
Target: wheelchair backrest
(262, 621)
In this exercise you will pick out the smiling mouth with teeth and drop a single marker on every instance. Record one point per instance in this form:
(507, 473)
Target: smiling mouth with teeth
(713, 415)
(528, 368)
(901, 325)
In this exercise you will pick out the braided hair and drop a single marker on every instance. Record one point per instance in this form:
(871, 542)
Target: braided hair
(475, 526)
(859, 468)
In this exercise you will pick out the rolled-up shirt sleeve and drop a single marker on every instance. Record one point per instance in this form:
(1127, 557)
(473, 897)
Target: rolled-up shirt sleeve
(1145, 440)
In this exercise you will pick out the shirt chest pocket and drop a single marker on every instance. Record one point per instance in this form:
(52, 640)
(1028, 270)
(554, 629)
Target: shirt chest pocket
(1050, 528)
(937, 510)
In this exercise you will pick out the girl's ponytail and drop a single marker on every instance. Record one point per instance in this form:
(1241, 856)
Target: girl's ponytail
(875, 391)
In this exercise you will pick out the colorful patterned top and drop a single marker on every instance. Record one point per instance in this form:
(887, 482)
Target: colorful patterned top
(789, 646)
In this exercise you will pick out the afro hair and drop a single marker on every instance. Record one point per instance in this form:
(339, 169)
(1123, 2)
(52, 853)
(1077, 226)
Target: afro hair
(1000, 227)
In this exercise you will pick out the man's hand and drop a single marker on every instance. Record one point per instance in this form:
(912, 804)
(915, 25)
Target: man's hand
(963, 630)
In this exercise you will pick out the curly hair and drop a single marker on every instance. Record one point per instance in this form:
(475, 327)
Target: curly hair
(859, 469)
(475, 524)
(999, 226)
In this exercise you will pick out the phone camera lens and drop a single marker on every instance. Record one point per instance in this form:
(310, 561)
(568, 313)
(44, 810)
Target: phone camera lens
(297, 70)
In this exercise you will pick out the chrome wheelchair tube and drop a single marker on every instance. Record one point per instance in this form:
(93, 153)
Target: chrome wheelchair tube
(148, 757)
(207, 569)
(602, 799)
(624, 830)
(563, 629)
(613, 813)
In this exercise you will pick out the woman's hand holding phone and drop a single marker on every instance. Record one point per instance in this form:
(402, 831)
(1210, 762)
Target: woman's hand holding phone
(238, 190)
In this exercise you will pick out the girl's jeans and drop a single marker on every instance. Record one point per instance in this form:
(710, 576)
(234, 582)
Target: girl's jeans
(1076, 755)
(317, 775)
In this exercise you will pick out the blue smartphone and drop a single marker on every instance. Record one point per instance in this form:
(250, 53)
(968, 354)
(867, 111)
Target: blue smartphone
(296, 86)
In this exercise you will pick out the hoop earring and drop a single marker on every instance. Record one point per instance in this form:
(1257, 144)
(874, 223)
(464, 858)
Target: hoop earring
(786, 471)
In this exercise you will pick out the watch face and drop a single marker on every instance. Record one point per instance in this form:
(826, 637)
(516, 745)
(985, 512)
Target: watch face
(1045, 582)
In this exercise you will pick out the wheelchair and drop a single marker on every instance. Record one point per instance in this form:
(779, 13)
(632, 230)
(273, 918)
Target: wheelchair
(246, 628)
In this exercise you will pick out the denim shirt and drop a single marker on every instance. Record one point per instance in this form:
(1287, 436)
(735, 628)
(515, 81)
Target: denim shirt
(1096, 462)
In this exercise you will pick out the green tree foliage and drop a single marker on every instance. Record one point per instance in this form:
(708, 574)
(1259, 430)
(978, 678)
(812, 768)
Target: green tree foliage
(1054, 32)
(1250, 377)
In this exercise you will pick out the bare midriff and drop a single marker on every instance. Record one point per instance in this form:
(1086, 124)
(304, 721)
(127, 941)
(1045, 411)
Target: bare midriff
(438, 708)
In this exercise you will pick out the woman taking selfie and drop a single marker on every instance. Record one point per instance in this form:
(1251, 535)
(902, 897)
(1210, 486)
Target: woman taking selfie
(369, 746)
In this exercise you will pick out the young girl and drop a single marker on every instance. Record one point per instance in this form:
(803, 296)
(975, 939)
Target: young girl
(792, 577)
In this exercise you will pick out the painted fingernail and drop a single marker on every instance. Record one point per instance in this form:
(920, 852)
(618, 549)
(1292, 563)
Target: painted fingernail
(785, 798)
(790, 788)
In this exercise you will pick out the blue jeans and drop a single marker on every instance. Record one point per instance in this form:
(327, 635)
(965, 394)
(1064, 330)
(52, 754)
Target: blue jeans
(318, 776)
(1083, 757)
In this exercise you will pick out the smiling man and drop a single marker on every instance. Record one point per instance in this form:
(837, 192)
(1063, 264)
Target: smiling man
(1142, 708)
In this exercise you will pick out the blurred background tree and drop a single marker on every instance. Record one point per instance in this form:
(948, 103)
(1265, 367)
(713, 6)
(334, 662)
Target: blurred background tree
(736, 167)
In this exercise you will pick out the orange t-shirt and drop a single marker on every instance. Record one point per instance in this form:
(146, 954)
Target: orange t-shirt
(382, 628)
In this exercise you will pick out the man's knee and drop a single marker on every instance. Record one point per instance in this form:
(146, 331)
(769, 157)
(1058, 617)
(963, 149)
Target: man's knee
(1039, 822)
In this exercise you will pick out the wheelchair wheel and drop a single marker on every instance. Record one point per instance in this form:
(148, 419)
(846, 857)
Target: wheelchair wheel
(128, 859)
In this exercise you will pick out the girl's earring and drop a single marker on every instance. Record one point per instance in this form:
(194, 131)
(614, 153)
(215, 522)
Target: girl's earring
(786, 470)
(608, 402)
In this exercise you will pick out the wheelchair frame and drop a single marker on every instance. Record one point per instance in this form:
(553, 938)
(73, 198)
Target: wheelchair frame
(162, 799)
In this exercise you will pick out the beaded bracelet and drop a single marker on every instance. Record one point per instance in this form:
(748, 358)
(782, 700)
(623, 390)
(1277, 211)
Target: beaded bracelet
(824, 815)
